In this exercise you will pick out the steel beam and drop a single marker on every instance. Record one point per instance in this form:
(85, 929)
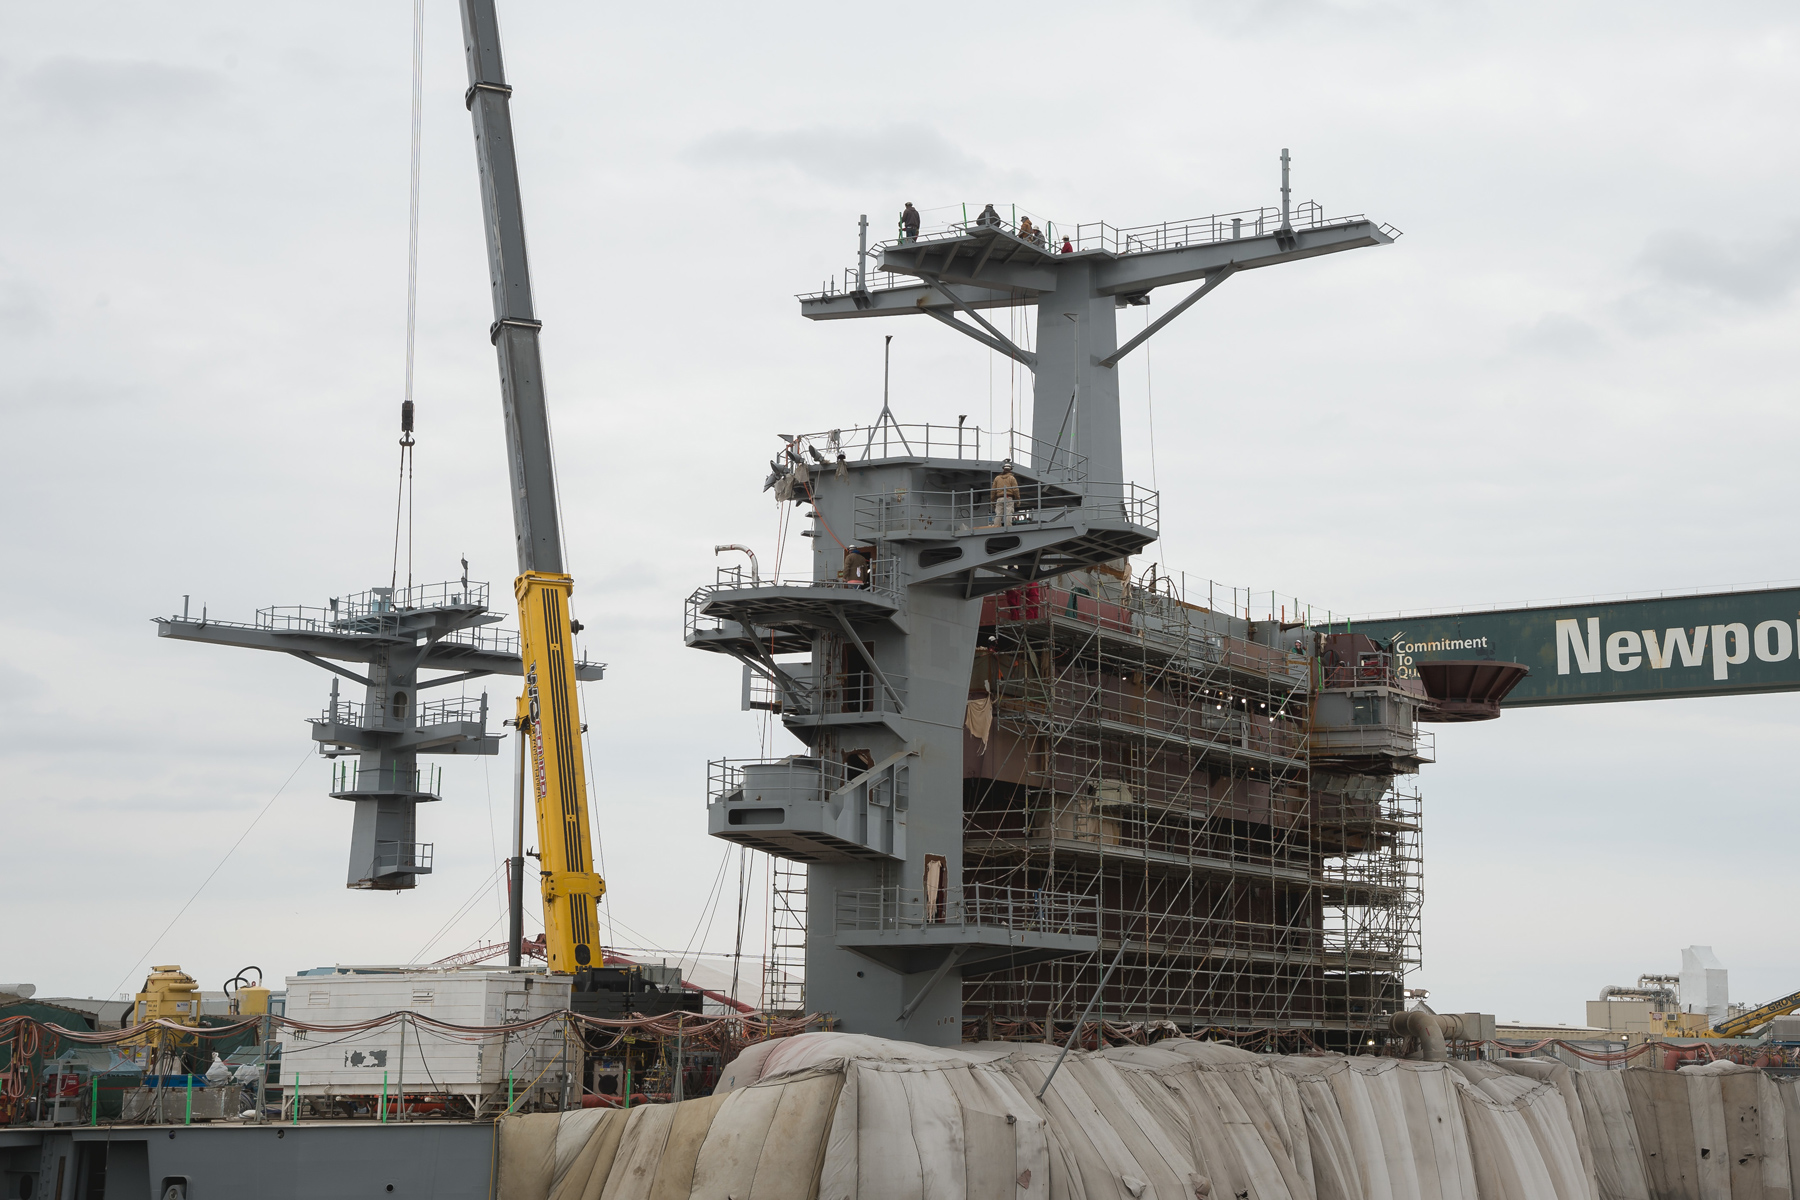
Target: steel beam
(851, 634)
(537, 529)
(1158, 268)
(1001, 344)
(1212, 282)
(892, 302)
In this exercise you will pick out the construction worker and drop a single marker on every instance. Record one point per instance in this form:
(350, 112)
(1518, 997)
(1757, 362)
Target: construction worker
(856, 567)
(1068, 247)
(909, 221)
(1005, 493)
(1027, 231)
(988, 217)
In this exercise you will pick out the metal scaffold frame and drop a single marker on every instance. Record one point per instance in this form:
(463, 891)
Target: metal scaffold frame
(784, 965)
(1144, 758)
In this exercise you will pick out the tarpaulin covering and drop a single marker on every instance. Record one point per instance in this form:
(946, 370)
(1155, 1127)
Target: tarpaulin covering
(842, 1116)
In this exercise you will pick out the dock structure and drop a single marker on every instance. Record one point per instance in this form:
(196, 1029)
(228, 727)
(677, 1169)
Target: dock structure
(1023, 764)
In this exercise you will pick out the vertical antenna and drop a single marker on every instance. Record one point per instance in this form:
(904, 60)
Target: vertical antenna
(1285, 226)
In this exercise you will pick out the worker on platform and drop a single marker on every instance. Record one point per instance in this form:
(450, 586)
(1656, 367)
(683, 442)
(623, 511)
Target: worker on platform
(909, 222)
(1027, 231)
(989, 217)
(1005, 493)
(1068, 247)
(856, 567)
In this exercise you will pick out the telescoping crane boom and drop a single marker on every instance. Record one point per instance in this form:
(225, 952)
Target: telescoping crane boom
(548, 712)
(1743, 1023)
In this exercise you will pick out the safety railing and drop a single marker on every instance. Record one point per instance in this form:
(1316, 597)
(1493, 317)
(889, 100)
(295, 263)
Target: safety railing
(348, 775)
(374, 610)
(882, 577)
(890, 439)
(457, 710)
(803, 774)
(912, 513)
(858, 691)
(410, 858)
(1394, 739)
(958, 221)
(972, 905)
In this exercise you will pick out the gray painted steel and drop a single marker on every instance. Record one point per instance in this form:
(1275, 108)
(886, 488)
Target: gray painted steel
(442, 1159)
(1717, 644)
(391, 638)
(884, 956)
(881, 957)
(536, 524)
(1076, 397)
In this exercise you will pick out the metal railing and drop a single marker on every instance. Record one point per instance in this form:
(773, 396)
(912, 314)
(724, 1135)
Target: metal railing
(860, 692)
(907, 512)
(890, 439)
(374, 610)
(884, 579)
(454, 711)
(1050, 236)
(726, 775)
(1405, 740)
(348, 775)
(1013, 908)
(413, 858)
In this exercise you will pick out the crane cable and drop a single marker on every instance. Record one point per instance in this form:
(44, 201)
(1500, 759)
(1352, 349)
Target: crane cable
(404, 496)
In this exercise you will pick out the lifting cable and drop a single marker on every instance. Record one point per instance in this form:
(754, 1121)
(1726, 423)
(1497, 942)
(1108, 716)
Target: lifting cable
(404, 496)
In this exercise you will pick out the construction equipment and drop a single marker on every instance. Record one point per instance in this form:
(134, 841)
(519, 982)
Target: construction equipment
(1743, 1023)
(549, 717)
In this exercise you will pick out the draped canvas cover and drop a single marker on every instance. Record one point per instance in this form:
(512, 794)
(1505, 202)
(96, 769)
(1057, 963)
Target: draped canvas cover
(851, 1117)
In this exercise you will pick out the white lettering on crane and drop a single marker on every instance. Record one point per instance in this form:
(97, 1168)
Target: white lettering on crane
(1663, 657)
(1622, 651)
(1724, 635)
(1568, 639)
(1782, 646)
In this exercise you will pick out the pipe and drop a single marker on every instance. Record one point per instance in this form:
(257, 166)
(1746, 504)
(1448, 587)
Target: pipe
(1430, 1029)
(755, 575)
(1664, 995)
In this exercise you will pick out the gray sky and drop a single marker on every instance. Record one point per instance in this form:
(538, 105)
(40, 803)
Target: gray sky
(1574, 375)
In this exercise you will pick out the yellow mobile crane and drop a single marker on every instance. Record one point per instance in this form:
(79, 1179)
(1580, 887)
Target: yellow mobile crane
(548, 713)
(1743, 1023)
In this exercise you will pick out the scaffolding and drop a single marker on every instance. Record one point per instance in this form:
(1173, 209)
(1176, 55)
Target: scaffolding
(784, 966)
(1171, 762)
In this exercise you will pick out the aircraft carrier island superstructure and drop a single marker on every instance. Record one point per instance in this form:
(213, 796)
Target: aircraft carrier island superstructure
(1031, 780)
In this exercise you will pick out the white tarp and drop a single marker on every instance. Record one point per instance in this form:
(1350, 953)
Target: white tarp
(851, 1117)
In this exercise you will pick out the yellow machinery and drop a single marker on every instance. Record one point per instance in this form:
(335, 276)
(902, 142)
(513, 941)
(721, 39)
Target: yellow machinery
(169, 994)
(549, 717)
(551, 721)
(1743, 1023)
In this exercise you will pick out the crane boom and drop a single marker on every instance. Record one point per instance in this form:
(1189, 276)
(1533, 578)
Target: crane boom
(548, 710)
(1744, 1022)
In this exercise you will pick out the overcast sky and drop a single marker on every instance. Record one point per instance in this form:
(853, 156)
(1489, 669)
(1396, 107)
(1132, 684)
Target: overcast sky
(1573, 375)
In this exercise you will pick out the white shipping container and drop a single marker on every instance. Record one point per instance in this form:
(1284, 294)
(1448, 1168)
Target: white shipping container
(355, 1064)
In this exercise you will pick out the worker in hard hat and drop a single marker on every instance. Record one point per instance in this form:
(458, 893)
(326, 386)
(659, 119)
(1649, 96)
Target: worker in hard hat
(1005, 494)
